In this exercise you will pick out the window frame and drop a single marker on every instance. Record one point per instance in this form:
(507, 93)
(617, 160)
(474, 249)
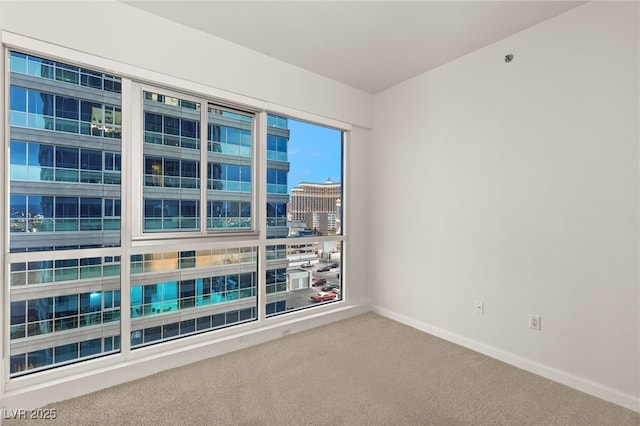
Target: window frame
(132, 79)
(137, 166)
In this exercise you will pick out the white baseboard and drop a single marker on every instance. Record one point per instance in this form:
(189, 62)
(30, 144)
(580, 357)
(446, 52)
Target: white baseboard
(100, 374)
(603, 392)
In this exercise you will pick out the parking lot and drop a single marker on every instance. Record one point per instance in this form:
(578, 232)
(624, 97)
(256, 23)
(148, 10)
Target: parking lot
(302, 298)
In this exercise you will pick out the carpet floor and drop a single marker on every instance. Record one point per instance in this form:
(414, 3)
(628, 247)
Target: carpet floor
(367, 370)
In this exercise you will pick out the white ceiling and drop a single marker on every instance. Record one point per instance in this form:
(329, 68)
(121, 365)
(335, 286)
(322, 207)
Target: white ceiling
(370, 45)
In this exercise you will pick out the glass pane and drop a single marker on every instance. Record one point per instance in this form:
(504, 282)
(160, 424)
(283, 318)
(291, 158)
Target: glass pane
(229, 176)
(303, 275)
(171, 188)
(61, 215)
(311, 178)
(220, 293)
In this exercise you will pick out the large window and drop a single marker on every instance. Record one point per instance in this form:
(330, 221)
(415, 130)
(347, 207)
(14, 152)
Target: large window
(231, 215)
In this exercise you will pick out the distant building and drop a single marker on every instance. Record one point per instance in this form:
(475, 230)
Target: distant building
(318, 206)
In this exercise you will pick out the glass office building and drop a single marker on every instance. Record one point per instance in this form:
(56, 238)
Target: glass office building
(64, 213)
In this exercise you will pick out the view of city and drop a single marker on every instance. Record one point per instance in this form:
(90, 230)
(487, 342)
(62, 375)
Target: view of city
(67, 223)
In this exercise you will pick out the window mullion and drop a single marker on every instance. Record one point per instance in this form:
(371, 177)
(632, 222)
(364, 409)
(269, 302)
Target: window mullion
(204, 165)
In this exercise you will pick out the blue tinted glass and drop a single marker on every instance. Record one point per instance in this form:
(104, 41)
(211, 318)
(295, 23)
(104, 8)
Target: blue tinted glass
(171, 125)
(40, 309)
(171, 208)
(245, 209)
(90, 160)
(190, 128)
(18, 99)
(91, 347)
(17, 205)
(66, 306)
(272, 176)
(187, 326)
(40, 358)
(136, 296)
(233, 136)
(66, 107)
(171, 167)
(152, 122)
(89, 111)
(245, 174)
(189, 169)
(215, 209)
(66, 157)
(90, 207)
(88, 261)
(150, 294)
(66, 352)
(152, 208)
(170, 291)
(245, 138)
(91, 79)
(282, 177)
(189, 209)
(18, 312)
(271, 143)
(233, 172)
(18, 62)
(282, 144)
(215, 134)
(152, 165)
(66, 263)
(90, 302)
(40, 155)
(215, 171)
(152, 334)
(40, 205)
(40, 103)
(66, 207)
(18, 152)
(112, 161)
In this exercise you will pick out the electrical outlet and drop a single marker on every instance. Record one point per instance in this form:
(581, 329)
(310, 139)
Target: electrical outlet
(534, 322)
(479, 305)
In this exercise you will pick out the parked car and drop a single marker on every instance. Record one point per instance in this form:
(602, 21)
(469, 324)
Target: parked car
(329, 287)
(321, 297)
(333, 265)
(306, 265)
(324, 269)
(318, 281)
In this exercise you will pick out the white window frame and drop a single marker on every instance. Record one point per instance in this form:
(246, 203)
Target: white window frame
(133, 240)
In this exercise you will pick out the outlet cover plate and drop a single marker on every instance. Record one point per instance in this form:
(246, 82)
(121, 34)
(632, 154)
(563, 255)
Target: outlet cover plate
(535, 322)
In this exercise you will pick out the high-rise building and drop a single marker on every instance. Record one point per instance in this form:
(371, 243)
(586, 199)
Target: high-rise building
(317, 206)
(65, 207)
(65, 216)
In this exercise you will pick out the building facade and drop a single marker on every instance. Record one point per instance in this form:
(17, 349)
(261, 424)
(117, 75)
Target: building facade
(66, 201)
(318, 206)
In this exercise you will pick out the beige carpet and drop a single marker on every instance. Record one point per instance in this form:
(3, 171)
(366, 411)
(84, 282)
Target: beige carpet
(367, 370)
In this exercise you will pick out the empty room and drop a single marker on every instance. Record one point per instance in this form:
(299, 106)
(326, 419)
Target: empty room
(422, 212)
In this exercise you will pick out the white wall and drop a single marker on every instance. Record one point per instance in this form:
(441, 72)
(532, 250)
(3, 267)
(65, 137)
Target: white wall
(517, 184)
(119, 32)
(173, 55)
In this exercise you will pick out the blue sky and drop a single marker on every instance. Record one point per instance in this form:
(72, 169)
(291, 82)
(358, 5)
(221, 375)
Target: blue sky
(314, 153)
